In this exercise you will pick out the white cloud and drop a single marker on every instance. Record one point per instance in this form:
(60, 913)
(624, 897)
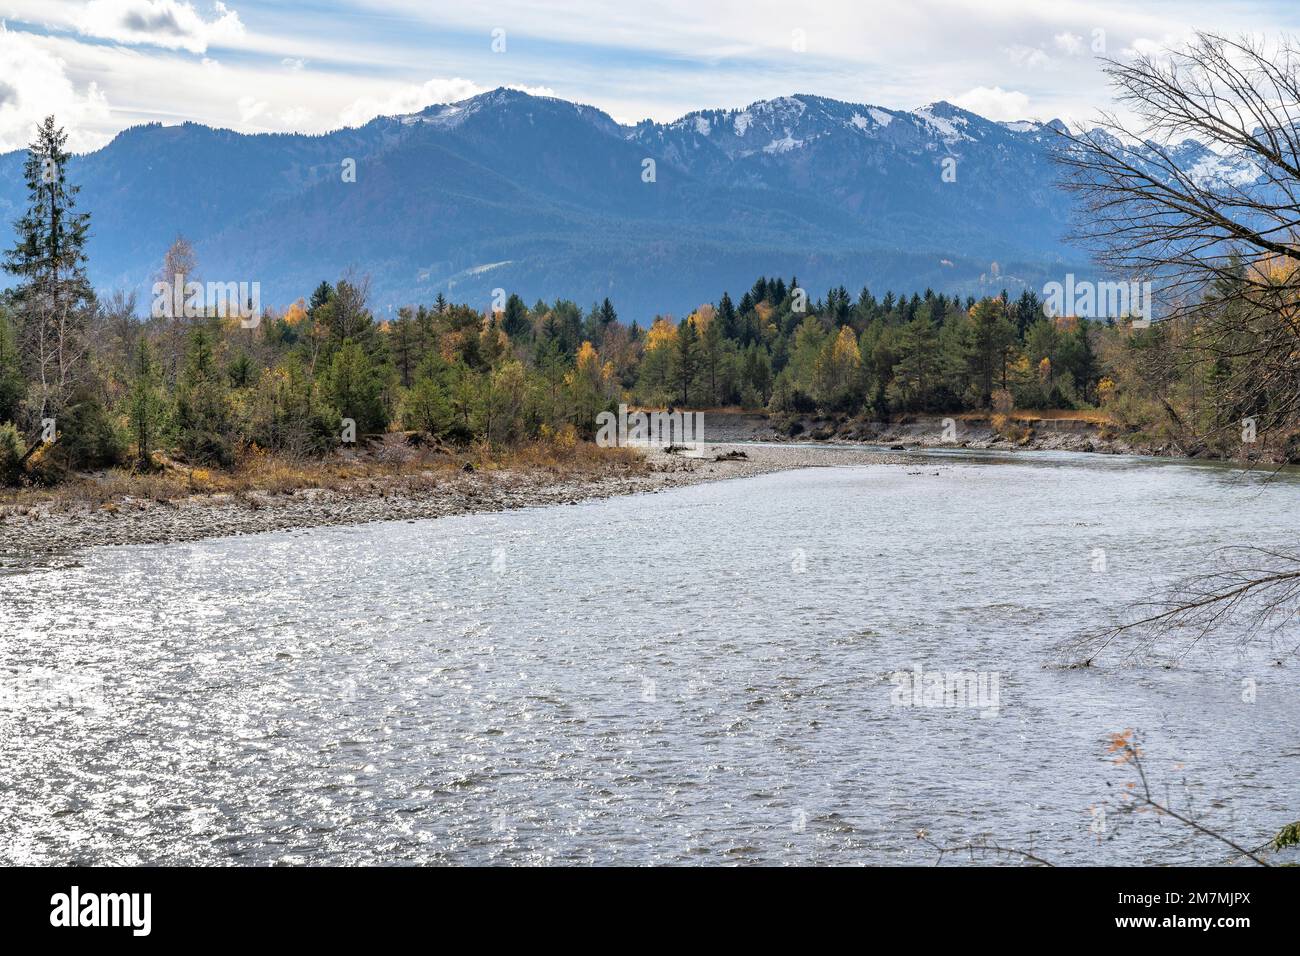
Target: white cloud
(412, 98)
(1069, 43)
(995, 103)
(1142, 46)
(408, 99)
(296, 117)
(633, 61)
(250, 108)
(34, 84)
(172, 24)
(1028, 57)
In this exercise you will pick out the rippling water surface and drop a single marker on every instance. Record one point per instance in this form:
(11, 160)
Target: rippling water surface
(702, 675)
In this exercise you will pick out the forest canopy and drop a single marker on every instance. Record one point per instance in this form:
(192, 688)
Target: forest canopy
(112, 388)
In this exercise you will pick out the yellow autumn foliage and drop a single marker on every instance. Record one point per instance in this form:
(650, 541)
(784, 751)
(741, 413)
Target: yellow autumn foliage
(588, 360)
(662, 333)
(701, 317)
(296, 314)
(846, 354)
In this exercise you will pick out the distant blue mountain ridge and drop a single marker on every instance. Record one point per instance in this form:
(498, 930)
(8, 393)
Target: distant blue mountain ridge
(547, 198)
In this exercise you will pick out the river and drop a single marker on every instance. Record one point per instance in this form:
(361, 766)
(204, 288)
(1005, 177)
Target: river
(705, 675)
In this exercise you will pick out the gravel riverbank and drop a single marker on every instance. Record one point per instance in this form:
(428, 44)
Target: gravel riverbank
(46, 528)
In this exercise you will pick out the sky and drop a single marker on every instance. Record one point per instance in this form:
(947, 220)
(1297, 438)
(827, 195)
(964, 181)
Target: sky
(302, 65)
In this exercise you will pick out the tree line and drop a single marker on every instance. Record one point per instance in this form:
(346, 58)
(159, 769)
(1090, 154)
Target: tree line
(85, 383)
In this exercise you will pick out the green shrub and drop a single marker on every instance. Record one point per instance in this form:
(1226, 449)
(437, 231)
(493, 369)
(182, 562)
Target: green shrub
(88, 436)
(11, 454)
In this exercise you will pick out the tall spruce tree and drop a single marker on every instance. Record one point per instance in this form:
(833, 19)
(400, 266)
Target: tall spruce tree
(607, 315)
(49, 258)
(727, 316)
(145, 403)
(688, 358)
(204, 418)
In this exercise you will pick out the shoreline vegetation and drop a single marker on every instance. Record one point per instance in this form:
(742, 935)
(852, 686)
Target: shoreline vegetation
(398, 476)
(388, 482)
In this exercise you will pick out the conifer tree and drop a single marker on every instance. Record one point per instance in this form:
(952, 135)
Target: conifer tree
(711, 355)
(204, 418)
(145, 403)
(727, 316)
(515, 321)
(607, 315)
(49, 260)
(688, 356)
(355, 386)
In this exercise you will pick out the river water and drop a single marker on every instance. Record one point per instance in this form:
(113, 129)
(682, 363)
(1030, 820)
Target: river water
(705, 675)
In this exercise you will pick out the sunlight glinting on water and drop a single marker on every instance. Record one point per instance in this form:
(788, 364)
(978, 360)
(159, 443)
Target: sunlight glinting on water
(700, 675)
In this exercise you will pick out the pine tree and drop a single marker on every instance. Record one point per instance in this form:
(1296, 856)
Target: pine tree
(1028, 309)
(993, 339)
(427, 407)
(711, 353)
(204, 419)
(607, 316)
(49, 261)
(688, 356)
(515, 322)
(355, 386)
(348, 315)
(145, 404)
(917, 370)
(1079, 359)
(50, 257)
(241, 370)
(322, 294)
(402, 345)
(727, 316)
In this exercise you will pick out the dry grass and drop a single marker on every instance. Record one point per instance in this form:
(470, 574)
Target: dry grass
(389, 464)
(1095, 416)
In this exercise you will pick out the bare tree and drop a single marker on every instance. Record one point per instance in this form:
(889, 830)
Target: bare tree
(1222, 251)
(179, 267)
(1255, 589)
(1138, 798)
(116, 326)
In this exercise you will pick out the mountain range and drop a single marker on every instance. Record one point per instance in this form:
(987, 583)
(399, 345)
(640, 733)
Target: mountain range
(549, 198)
